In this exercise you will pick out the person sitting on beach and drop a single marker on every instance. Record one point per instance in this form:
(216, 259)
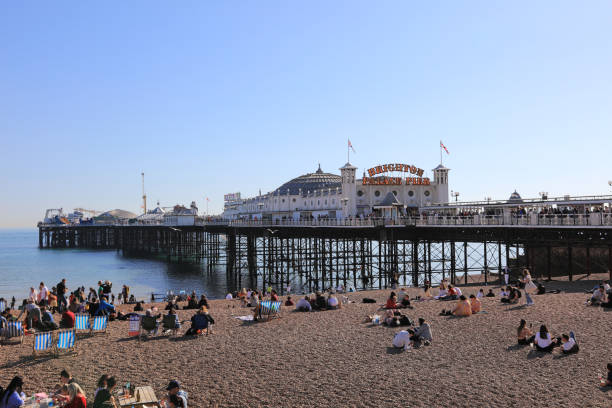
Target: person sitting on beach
(104, 308)
(451, 294)
(421, 333)
(47, 322)
(229, 296)
(274, 296)
(480, 293)
(303, 305)
(443, 292)
(505, 292)
(513, 296)
(199, 321)
(333, 303)
(543, 341)
(203, 302)
(289, 301)
(568, 344)
(599, 297)
(462, 308)
(177, 323)
(392, 302)
(541, 289)
(402, 340)
(101, 384)
(475, 304)
(458, 292)
(320, 303)
(192, 303)
(76, 396)
(139, 306)
(402, 295)
(490, 293)
(13, 396)
(176, 396)
(427, 295)
(525, 336)
(104, 395)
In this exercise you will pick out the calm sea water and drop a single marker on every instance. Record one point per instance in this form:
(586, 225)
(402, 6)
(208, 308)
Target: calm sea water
(23, 264)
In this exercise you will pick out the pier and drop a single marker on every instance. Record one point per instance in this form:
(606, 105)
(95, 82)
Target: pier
(363, 253)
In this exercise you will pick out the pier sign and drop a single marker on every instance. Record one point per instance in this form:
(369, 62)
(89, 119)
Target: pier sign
(395, 181)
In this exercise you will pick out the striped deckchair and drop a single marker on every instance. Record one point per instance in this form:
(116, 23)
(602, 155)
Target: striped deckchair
(268, 308)
(99, 324)
(65, 340)
(81, 322)
(43, 341)
(14, 329)
(2, 305)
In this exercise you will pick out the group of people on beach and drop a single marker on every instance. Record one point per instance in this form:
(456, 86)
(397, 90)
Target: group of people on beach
(69, 394)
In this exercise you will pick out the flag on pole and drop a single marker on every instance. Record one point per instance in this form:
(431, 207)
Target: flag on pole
(444, 147)
(351, 146)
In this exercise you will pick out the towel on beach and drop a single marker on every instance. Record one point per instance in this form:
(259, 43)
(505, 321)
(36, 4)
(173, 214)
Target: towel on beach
(246, 318)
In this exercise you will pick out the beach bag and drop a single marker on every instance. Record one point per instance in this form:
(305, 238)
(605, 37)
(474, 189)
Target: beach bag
(530, 286)
(368, 300)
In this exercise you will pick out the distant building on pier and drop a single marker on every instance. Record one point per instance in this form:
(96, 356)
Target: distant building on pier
(387, 190)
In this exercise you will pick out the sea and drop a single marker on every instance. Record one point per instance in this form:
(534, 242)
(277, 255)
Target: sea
(24, 265)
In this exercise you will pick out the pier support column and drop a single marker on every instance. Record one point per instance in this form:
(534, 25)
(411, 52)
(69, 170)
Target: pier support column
(453, 271)
(570, 269)
(610, 263)
(588, 261)
(465, 263)
(549, 262)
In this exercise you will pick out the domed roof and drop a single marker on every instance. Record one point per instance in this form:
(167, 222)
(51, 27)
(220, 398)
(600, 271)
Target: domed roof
(310, 182)
(515, 198)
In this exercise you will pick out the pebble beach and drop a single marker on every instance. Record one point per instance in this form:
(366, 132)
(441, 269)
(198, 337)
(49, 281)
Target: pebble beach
(335, 358)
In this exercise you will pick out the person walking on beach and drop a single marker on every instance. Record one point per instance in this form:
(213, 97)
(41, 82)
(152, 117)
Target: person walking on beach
(506, 274)
(528, 285)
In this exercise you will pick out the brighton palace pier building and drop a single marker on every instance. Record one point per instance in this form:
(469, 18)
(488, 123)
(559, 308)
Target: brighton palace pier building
(386, 190)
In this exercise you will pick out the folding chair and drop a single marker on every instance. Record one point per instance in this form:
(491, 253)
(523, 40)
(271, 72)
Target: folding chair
(81, 322)
(14, 329)
(200, 322)
(43, 342)
(148, 326)
(268, 309)
(65, 341)
(99, 324)
(169, 323)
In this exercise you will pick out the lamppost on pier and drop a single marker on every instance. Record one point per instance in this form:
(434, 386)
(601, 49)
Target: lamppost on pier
(455, 194)
(544, 195)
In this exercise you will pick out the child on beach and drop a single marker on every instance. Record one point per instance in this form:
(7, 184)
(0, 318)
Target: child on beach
(569, 344)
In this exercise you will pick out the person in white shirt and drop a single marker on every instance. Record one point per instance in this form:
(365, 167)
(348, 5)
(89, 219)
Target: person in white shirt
(229, 296)
(402, 340)
(43, 292)
(458, 291)
(506, 274)
(543, 341)
(569, 344)
(480, 294)
(33, 296)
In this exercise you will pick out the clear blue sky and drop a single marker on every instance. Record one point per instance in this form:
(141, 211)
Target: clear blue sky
(213, 97)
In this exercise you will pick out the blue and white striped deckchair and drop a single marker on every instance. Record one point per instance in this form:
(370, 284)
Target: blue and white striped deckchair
(2, 305)
(99, 324)
(14, 329)
(65, 340)
(268, 308)
(81, 322)
(43, 341)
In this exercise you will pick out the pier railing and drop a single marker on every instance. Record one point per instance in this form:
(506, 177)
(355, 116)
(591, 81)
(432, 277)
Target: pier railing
(528, 220)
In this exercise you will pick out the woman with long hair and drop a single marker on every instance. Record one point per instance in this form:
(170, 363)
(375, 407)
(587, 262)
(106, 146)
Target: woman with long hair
(525, 336)
(543, 341)
(12, 394)
(76, 396)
